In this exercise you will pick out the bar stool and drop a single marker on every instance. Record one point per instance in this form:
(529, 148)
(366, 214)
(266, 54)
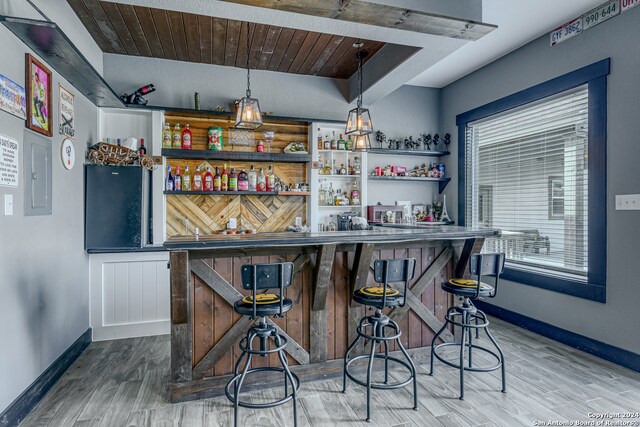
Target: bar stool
(259, 306)
(470, 317)
(385, 272)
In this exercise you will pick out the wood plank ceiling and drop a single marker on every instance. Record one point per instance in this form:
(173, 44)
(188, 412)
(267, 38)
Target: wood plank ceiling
(142, 31)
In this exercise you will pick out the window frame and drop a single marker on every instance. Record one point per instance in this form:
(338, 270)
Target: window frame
(595, 76)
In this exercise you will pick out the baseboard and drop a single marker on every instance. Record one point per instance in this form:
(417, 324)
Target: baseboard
(602, 350)
(20, 408)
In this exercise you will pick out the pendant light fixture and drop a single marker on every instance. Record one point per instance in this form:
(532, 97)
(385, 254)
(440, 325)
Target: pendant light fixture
(248, 115)
(359, 120)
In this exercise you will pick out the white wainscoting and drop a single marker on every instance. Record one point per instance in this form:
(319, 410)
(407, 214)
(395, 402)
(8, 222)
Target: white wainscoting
(130, 295)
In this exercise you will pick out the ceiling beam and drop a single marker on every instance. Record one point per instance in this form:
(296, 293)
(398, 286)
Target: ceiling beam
(381, 15)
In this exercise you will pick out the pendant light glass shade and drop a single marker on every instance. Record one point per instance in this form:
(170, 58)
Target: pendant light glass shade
(362, 143)
(248, 115)
(359, 122)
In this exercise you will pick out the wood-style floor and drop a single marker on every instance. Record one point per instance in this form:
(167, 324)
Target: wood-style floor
(124, 383)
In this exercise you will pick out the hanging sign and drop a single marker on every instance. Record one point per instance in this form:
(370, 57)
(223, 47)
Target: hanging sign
(13, 98)
(568, 30)
(628, 4)
(67, 126)
(68, 154)
(8, 161)
(601, 13)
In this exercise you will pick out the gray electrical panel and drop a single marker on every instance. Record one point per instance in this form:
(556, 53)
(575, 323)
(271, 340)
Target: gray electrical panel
(37, 175)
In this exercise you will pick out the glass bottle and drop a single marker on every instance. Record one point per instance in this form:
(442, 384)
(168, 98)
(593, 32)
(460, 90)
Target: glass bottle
(224, 179)
(334, 169)
(177, 180)
(343, 170)
(320, 143)
(233, 180)
(349, 168)
(342, 144)
(322, 196)
(330, 196)
(350, 143)
(169, 182)
(208, 180)
(271, 179)
(177, 137)
(142, 150)
(217, 180)
(332, 224)
(243, 181)
(262, 181)
(355, 194)
(253, 179)
(186, 138)
(196, 180)
(166, 136)
(356, 166)
(186, 179)
(334, 141)
(327, 142)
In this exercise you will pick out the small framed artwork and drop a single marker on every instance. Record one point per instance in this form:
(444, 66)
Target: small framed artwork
(38, 82)
(66, 124)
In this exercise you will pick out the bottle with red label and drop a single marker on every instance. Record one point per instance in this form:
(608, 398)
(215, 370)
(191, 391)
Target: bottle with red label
(196, 180)
(271, 179)
(177, 179)
(217, 180)
(186, 138)
(207, 184)
(224, 179)
(243, 181)
(233, 180)
(262, 181)
(142, 150)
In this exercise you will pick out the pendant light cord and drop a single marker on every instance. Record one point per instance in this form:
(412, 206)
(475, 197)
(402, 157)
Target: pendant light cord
(247, 61)
(361, 54)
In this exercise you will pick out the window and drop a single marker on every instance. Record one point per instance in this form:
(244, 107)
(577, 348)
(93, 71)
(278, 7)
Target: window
(533, 167)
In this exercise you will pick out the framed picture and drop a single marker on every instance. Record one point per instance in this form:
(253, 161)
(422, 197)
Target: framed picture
(66, 124)
(38, 81)
(12, 98)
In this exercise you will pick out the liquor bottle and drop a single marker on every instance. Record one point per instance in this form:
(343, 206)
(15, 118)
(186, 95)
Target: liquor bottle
(217, 180)
(355, 194)
(342, 144)
(186, 180)
(224, 179)
(166, 136)
(186, 138)
(356, 166)
(243, 181)
(208, 180)
(271, 179)
(343, 171)
(334, 141)
(253, 179)
(177, 137)
(334, 169)
(142, 150)
(350, 143)
(320, 143)
(262, 181)
(349, 168)
(330, 196)
(196, 180)
(177, 180)
(327, 143)
(322, 196)
(233, 180)
(169, 182)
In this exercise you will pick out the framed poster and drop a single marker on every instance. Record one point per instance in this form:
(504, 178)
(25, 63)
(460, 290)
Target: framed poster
(38, 81)
(13, 99)
(9, 166)
(67, 125)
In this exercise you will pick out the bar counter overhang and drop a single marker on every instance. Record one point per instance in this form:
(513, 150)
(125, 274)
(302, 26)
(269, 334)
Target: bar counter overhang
(206, 282)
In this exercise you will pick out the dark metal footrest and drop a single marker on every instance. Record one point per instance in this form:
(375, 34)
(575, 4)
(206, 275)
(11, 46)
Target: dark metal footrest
(467, 368)
(381, 386)
(233, 383)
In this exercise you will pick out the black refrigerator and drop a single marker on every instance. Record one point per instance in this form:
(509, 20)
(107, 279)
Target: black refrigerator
(117, 210)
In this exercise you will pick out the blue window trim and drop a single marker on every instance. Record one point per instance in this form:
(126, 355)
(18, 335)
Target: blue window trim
(595, 76)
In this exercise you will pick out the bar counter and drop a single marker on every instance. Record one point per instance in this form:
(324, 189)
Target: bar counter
(328, 266)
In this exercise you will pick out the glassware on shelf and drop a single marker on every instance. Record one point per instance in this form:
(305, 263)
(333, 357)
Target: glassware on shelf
(269, 136)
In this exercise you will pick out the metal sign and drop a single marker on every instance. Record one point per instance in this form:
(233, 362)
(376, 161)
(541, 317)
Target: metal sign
(601, 13)
(568, 30)
(8, 161)
(628, 4)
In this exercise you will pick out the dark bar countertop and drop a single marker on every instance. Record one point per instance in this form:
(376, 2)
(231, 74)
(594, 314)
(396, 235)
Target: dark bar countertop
(284, 239)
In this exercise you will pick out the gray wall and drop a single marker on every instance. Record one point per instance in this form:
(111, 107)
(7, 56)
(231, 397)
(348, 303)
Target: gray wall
(44, 271)
(616, 321)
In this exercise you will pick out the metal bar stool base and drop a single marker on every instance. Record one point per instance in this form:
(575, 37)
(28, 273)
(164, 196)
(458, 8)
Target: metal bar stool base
(468, 313)
(378, 322)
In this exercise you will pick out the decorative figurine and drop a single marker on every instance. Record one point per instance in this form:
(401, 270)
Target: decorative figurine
(381, 138)
(427, 141)
(445, 216)
(447, 140)
(436, 141)
(136, 97)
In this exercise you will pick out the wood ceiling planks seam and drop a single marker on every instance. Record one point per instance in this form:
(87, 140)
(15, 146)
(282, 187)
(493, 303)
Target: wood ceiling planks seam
(143, 31)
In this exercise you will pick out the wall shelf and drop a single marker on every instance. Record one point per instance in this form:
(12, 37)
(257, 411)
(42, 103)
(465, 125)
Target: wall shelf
(235, 155)
(320, 176)
(408, 152)
(240, 193)
(442, 182)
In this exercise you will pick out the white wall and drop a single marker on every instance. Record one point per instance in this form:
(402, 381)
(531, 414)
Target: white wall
(616, 321)
(43, 268)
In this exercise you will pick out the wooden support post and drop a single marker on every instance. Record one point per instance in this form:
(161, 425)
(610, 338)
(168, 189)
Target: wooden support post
(181, 317)
(318, 315)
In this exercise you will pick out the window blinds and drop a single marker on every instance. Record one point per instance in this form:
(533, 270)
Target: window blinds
(526, 174)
